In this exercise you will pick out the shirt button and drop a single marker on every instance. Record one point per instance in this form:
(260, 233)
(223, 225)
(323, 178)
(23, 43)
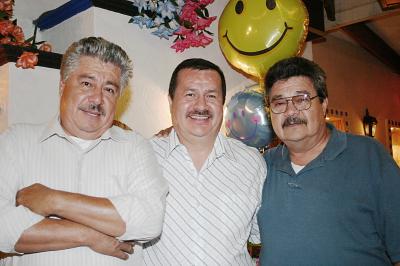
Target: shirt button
(293, 185)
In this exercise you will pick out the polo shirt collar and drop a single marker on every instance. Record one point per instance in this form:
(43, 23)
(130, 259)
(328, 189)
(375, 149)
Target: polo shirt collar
(336, 145)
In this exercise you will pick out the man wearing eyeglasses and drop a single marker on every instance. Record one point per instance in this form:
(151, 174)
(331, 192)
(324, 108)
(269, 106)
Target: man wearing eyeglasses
(330, 198)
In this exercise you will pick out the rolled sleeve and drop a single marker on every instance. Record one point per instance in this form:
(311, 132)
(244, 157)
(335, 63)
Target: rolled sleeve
(143, 207)
(13, 222)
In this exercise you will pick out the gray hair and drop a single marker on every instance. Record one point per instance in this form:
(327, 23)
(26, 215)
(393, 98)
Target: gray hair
(100, 48)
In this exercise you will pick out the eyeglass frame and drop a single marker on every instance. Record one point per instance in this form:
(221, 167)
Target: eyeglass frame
(287, 99)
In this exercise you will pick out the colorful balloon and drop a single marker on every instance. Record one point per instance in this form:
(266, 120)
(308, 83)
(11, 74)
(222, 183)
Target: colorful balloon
(246, 119)
(254, 34)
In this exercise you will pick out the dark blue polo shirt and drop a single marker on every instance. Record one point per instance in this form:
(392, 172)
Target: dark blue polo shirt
(343, 208)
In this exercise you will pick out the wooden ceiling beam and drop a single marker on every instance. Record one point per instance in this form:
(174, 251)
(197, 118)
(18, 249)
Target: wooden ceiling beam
(370, 41)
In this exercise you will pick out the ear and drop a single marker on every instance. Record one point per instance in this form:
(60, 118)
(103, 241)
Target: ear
(325, 106)
(61, 87)
(170, 102)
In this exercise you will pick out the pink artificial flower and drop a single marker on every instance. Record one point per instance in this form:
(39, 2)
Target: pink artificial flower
(5, 40)
(45, 47)
(6, 6)
(27, 60)
(188, 12)
(197, 40)
(18, 34)
(6, 27)
(205, 2)
(205, 40)
(183, 31)
(180, 45)
(202, 23)
(190, 32)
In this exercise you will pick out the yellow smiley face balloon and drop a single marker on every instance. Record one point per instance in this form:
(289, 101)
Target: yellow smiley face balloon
(254, 34)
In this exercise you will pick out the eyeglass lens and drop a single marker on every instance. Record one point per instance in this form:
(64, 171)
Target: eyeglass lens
(300, 102)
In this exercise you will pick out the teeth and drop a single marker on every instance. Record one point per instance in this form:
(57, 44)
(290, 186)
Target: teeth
(199, 117)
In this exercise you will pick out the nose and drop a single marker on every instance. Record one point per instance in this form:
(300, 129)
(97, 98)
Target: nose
(96, 96)
(290, 108)
(200, 102)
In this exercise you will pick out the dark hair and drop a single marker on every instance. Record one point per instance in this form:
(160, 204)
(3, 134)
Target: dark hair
(199, 64)
(100, 48)
(297, 66)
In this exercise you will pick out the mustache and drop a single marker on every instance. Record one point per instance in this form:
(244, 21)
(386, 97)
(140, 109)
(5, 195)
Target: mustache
(204, 112)
(292, 120)
(93, 108)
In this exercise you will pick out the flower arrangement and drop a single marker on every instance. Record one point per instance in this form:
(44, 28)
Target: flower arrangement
(186, 19)
(12, 34)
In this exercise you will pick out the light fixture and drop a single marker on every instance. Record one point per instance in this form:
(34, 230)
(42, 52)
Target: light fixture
(369, 123)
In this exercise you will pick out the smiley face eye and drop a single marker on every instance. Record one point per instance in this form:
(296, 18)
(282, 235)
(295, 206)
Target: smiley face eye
(271, 4)
(239, 7)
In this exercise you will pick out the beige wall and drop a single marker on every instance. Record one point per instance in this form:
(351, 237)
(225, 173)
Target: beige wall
(356, 81)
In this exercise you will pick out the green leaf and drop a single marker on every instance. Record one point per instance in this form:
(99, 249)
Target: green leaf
(130, 20)
(29, 39)
(199, 13)
(206, 12)
(3, 15)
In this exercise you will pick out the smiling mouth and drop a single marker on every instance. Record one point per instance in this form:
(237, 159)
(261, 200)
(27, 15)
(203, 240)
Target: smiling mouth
(261, 51)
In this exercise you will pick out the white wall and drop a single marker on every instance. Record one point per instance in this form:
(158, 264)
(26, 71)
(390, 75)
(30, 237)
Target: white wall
(33, 94)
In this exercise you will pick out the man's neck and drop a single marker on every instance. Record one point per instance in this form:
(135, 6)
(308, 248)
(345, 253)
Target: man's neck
(199, 149)
(303, 152)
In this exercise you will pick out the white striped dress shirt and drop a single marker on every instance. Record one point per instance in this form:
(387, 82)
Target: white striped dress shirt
(120, 166)
(210, 214)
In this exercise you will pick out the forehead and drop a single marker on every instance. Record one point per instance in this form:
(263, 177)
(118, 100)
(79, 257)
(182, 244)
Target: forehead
(190, 78)
(88, 64)
(292, 86)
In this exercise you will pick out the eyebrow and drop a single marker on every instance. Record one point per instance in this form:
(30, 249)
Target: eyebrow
(280, 96)
(88, 76)
(206, 91)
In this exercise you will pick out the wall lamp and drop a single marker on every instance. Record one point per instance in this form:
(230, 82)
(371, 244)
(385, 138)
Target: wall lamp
(369, 123)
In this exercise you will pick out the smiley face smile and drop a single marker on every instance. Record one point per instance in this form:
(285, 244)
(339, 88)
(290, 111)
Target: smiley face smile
(260, 52)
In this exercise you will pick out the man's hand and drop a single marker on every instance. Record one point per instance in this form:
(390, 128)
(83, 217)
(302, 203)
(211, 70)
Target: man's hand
(111, 246)
(38, 198)
(59, 234)
(164, 132)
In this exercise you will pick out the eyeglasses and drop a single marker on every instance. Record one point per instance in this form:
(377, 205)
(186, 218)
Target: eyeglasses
(300, 102)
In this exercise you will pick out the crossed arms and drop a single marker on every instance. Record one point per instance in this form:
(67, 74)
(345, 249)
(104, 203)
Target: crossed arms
(37, 218)
(85, 221)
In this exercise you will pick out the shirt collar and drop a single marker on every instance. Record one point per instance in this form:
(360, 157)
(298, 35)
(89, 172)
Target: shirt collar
(54, 128)
(336, 145)
(221, 146)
